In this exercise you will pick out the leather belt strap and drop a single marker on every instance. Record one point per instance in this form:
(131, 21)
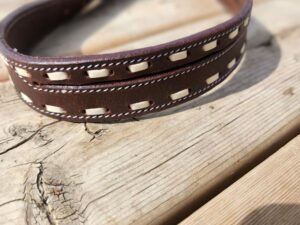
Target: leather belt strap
(111, 87)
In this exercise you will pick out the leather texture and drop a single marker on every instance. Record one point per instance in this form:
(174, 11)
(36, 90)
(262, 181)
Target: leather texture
(132, 83)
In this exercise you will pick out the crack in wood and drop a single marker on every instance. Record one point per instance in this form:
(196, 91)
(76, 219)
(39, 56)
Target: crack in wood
(95, 134)
(51, 197)
(24, 141)
(44, 199)
(11, 201)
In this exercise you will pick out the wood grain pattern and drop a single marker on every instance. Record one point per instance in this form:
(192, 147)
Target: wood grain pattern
(158, 168)
(112, 28)
(269, 194)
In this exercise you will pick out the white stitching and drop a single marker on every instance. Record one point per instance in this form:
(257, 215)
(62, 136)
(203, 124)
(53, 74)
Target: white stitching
(63, 91)
(135, 112)
(136, 60)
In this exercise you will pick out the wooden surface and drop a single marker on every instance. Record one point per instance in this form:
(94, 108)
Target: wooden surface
(268, 195)
(160, 168)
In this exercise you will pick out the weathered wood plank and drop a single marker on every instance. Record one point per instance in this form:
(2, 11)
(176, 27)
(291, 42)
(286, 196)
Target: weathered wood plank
(269, 194)
(112, 26)
(150, 171)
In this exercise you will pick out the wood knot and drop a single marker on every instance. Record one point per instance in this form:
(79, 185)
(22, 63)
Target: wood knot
(289, 92)
(51, 196)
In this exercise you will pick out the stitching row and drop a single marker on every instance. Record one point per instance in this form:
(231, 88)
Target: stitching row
(126, 61)
(154, 108)
(64, 91)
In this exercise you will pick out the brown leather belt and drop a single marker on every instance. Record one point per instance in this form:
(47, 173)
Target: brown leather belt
(111, 87)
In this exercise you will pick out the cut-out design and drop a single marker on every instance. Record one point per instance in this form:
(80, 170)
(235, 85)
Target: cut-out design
(180, 94)
(213, 78)
(99, 73)
(25, 98)
(55, 109)
(246, 23)
(140, 105)
(57, 76)
(138, 67)
(231, 64)
(91, 6)
(22, 72)
(178, 56)
(243, 49)
(234, 34)
(210, 46)
(95, 111)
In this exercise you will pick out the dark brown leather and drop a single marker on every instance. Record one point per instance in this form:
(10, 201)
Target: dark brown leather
(20, 31)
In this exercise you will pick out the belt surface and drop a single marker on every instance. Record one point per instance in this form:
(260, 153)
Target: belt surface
(111, 87)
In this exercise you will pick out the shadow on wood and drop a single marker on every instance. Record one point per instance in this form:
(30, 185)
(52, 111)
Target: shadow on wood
(66, 40)
(274, 214)
(262, 58)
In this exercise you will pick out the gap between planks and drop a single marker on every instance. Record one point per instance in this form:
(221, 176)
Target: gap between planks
(267, 195)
